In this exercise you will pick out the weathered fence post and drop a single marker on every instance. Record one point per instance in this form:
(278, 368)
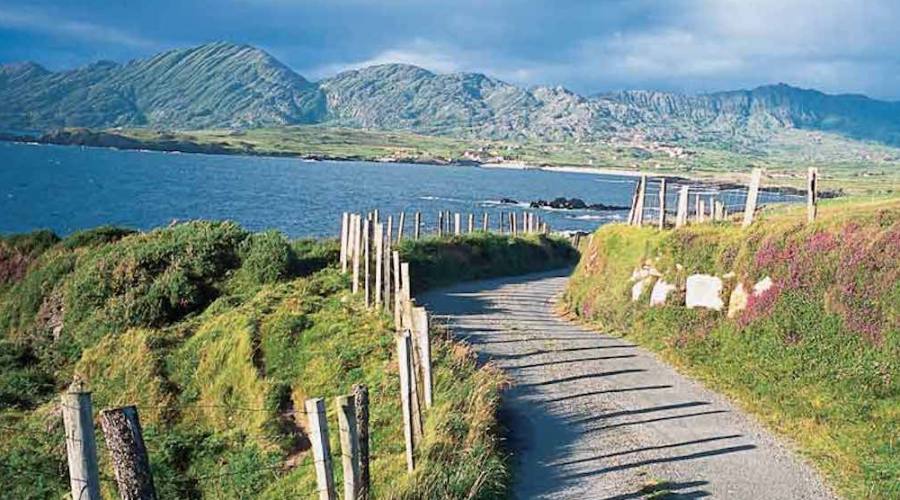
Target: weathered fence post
(349, 438)
(698, 209)
(457, 224)
(752, 194)
(403, 359)
(361, 398)
(387, 266)
(418, 229)
(124, 439)
(662, 203)
(682, 215)
(639, 206)
(398, 306)
(484, 223)
(400, 225)
(471, 223)
(812, 195)
(379, 262)
(81, 449)
(367, 258)
(423, 341)
(701, 209)
(355, 239)
(345, 231)
(318, 436)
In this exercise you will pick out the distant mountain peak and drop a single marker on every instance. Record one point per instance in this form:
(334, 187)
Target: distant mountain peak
(226, 84)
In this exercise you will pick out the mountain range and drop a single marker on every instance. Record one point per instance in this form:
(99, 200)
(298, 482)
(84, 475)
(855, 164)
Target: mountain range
(224, 85)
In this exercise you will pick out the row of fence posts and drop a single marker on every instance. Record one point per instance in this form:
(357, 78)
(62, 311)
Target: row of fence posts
(709, 209)
(131, 464)
(367, 253)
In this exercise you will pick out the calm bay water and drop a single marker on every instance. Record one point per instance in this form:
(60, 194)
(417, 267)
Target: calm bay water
(66, 188)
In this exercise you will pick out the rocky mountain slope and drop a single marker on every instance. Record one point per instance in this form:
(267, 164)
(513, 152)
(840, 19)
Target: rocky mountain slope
(223, 85)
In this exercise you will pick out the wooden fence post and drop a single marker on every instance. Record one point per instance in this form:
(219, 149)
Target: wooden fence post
(634, 197)
(349, 438)
(440, 224)
(752, 194)
(124, 439)
(367, 259)
(639, 206)
(400, 226)
(387, 267)
(389, 232)
(423, 341)
(81, 449)
(355, 240)
(398, 306)
(361, 398)
(471, 223)
(698, 209)
(457, 224)
(484, 223)
(379, 262)
(418, 229)
(345, 231)
(318, 436)
(682, 215)
(403, 358)
(812, 195)
(662, 203)
(701, 210)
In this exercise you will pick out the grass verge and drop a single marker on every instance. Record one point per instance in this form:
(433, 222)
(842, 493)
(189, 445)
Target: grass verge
(218, 336)
(816, 357)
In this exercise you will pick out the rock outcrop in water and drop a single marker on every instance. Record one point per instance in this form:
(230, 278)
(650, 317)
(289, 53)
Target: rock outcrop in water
(563, 203)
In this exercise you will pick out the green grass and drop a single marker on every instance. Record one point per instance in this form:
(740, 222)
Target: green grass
(218, 336)
(817, 358)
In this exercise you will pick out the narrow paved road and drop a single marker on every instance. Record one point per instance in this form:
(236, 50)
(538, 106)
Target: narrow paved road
(594, 416)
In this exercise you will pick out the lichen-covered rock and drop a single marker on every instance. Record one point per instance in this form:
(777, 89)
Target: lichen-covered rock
(738, 300)
(660, 292)
(703, 290)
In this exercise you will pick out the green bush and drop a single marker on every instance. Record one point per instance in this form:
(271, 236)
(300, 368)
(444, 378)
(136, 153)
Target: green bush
(96, 236)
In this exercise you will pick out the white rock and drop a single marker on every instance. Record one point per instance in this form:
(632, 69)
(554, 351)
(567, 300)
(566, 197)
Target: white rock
(638, 289)
(762, 286)
(729, 275)
(704, 290)
(738, 300)
(660, 293)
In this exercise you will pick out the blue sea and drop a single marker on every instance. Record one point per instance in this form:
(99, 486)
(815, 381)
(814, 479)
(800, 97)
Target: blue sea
(68, 188)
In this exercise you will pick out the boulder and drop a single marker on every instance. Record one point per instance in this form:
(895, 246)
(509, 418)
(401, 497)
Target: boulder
(738, 300)
(762, 286)
(660, 293)
(703, 290)
(638, 289)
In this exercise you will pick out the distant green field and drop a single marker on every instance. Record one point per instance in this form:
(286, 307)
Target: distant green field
(851, 166)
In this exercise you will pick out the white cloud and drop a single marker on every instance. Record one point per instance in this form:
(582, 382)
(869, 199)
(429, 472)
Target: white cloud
(36, 21)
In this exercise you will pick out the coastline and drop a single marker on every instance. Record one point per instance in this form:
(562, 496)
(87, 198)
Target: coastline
(107, 140)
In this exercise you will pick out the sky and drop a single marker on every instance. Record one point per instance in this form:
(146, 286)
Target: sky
(838, 46)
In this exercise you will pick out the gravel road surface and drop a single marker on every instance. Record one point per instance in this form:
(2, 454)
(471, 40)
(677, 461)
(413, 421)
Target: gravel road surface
(594, 416)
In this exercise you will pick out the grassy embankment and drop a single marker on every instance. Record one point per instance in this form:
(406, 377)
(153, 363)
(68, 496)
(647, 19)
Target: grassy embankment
(852, 166)
(817, 357)
(218, 335)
